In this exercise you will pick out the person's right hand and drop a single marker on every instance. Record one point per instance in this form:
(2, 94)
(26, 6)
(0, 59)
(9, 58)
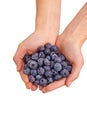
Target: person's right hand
(30, 45)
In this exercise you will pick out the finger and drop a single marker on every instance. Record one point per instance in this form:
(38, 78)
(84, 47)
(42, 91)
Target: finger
(40, 87)
(54, 85)
(18, 57)
(33, 88)
(76, 68)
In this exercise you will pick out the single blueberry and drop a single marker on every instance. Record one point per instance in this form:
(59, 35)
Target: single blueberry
(57, 77)
(48, 73)
(47, 51)
(54, 56)
(40, 61)
(69, 68)
(31, 78)
(48, 57)
(26, 58)
(61, 56)
(47, 68)
(58, 59)
(34, 56)
(40, 71)
(33, 64)
(54, 72)
(41, 54)
(64, 73)
(46, 61)
(33, 72)
(36, 83)
(49, 80)
(43, 82)
(48, 46)
(52, 64)
(58, 67)
(64, 64)
(38, 77)
(26, 71)
(54, 48)
(41, 48)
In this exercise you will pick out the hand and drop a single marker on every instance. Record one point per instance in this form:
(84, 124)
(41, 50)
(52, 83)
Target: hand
(72, 52)
(29, 45)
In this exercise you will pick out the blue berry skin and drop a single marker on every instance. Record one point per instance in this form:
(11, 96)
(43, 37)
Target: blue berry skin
(41, 48)
(47, 51)
(54, 56)
(48, 46)
(43, 82)
(64, 64)
(58, 59)
(38, 77)
(31, 78)
(54, 72)
(58, 67)
(54, 48)
(26, 71)
(47, 68)
(52, 64)
(48, 73)
(40, 71)
(69, 68)
(64, 73)
(26, 58)
(36, 83)
(33, 72)
(46, 62)
(33, 64)
(48, 57)
(40, 61)
(49, 80)
(41, 55)
(57, 77)
(61, 56)
(34, 56)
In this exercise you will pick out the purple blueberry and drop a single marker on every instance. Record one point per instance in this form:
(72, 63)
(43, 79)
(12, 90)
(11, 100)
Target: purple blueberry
(54, 48)
(41, 48)
(49, 80)
(40, 61)
(38, 77)
(36, 83)
(48, 46)
(33, 64)
(57, 77)
(47, 68)
(46, 61)
(64, 64)
(54, 56)
(48, 57)
(69, 68)
(47, 51)
(41, 54)
(40, 71)
(31, 78)
(34, 56)
(58, 59)
(52, 64)
(48, 73)
(43, 82)
(34, 72)
(26, 58)
(61, 56)
(26, 71)
(58, 67)
(64, 73)
(54, 72)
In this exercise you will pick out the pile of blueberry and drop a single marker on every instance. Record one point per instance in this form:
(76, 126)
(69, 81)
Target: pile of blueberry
(46, 65)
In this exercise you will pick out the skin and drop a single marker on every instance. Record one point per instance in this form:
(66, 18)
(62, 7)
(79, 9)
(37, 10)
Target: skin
(70, 43)
(46, 30)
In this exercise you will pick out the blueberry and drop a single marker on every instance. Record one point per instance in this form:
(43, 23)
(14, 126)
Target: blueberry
(26, 58)
(58, 59)
(48, 57)
(64, 73)
(26, 71)
(48, 73)
(34, 72)
(31, 78)
(38, 77)
(54, 72)
(52, 64)
(54, 48)
(47, 51)
(34, 56)
(40, 61)
(49, 80)
(47, 68)
(41, 48)
(57, 77)
(64, 64)
(54, 56)
(61, 56)
(69, 68)
(58, 67)
(41, 55)
(36, 82)
(46, 61)
(41, 71)
(43, 82)
(33, 64)
(48, 46)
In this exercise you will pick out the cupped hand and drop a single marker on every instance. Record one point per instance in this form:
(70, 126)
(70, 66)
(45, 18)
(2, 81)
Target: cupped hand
(72, 51)
(30, 45)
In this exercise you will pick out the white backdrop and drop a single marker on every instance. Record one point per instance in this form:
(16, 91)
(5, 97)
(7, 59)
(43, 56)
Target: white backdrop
(22, 109)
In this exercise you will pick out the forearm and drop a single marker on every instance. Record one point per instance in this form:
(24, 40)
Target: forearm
(48, 16)
(78, 26)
